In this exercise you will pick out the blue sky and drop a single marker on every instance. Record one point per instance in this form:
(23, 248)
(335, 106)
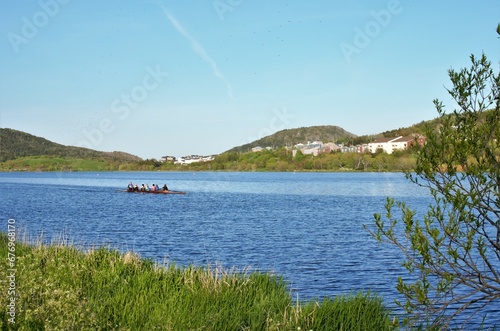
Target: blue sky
(164, 77)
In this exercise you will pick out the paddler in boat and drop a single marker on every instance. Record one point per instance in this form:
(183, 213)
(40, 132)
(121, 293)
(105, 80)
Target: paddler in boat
(130, 187)
(165, 188)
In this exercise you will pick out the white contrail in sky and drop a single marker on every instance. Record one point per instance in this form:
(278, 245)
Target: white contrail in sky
(198, 49)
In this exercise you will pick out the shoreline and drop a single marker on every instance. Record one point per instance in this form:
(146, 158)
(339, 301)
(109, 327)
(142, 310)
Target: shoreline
(58, 286)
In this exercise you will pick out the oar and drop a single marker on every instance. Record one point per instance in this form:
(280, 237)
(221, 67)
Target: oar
(176, 192)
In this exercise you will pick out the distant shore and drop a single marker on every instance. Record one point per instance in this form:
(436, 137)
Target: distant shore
(276, 160)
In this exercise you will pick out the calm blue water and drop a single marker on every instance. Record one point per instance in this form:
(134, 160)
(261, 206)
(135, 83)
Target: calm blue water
(305, 226)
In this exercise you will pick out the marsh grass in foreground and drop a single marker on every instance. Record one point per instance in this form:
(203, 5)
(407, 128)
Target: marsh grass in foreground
(59, 287)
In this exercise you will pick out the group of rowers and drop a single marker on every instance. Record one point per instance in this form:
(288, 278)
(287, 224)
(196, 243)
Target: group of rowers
(147, 188)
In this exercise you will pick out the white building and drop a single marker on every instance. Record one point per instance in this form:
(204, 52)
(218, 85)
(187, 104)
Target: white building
(390, 145)
(194, 158)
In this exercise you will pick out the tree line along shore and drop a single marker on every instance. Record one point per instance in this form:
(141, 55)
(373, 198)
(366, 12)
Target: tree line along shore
(268, 160)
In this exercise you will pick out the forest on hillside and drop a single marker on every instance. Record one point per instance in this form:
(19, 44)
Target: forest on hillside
(17, 144)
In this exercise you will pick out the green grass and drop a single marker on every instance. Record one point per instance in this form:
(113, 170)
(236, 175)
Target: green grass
(59, 287)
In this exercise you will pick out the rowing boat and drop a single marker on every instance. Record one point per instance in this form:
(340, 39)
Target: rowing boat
(156, 192)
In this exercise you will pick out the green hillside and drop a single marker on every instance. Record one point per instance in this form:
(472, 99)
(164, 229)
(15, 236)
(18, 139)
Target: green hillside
(289, 137)
(20, 151)
(326, 133)
(16, 144)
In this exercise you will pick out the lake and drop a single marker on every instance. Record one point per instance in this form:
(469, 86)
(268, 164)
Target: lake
(306, 226)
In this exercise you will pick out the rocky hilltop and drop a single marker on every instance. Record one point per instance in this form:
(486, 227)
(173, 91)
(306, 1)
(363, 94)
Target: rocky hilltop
(289, 137)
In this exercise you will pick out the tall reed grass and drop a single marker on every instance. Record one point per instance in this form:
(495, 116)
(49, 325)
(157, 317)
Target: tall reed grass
(60, 287)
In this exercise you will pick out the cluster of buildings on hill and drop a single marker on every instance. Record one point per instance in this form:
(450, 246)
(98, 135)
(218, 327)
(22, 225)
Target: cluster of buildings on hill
(315, 148)
(387, 145)
(187, 159)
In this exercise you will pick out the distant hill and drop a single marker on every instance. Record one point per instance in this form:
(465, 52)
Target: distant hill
(15, 144)
(289, 137)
